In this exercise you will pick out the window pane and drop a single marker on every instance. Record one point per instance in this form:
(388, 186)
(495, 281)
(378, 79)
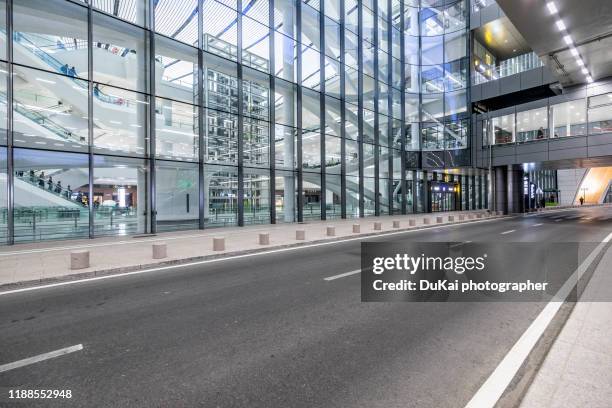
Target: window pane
(503, 129)
(51, 190)
(119, 121)
(221, 137)
(221, 196)
(134, 11)
(532, 125)
(256, 196)
(569, 119)
(178, 65)
(119, 54)
(176, 195)
(220, 32)
(176, 130)
(65, 50)
(49, 110)
(177, 19)
(3, 197)
(120, 195)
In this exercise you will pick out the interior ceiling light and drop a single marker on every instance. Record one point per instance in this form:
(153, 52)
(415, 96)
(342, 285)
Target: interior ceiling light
(552, 7)
(580, 62)
(589, 79)
(574, 51)
(560, 25)
(567, 39)
(585, 71)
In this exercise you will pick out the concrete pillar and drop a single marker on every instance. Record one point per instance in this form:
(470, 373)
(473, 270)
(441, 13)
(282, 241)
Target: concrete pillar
(396, 224)
(514, 189)
(451, 218)
(439, 220)
(412, 222)
(331, 231)
(378, 226)
(356, 228)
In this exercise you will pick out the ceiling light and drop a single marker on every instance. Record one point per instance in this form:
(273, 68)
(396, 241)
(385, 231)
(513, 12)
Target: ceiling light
(589, 79)
(567, 39)
(552, 7)
(574, 51)
(580, 62)
(585, 71)
(560, 25)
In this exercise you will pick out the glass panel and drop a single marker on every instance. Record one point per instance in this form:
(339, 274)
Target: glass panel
(255, 45)
(333, 186)
(120, 195)
(176, 130)
(49, 110)
(50, 195)
(285, 51)
(220, 84)
(119, 120)
(220, 196)
(503, 129)
(569, 119)
(221, 137)
(311, 194)
(177, 19)
(532, 125)
(311, 151)
(352, 196)
(256, 196)
(285, 196)
(134, 11)
(3, 47)
(220, 32)
(333, 157)
(285, 149)
(119, 53)
(178, 65)
(176, 196)
(3, 197)
(600, 114)
(65, 50)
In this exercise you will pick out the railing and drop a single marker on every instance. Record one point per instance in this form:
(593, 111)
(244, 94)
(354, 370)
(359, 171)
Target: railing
(514, 65)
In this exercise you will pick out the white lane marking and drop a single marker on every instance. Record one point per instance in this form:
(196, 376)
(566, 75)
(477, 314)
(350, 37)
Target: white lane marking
(537, 225)
(507, 232)
(458, 244)
(342, 275)
(587, 218)
(232, 257)
(39, 358)
(559, 219)
(493, 388)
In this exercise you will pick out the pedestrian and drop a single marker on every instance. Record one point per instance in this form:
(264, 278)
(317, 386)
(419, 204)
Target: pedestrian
(64, 69)
(72, 71)
(50, 183)
(32, 176)
(581, 200)
(58, 187)
(68, 192)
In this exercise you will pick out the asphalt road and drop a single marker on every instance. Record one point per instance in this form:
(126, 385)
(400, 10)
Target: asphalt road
(269, 331)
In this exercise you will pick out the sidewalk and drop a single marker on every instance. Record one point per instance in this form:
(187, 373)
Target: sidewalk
(577, 372)
(49, 261)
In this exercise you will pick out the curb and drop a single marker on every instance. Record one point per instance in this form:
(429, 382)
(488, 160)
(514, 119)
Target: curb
(229, 254)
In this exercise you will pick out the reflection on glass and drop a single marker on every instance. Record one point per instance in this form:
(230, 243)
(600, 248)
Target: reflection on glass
(176, 196)
(503, 129)
(256, 196)
(532, 125)
(569, 119)
(176, 130)
(220, 196)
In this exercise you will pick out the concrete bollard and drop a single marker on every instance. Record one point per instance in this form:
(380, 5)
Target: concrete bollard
(378, 226)
(356, 228)
(331, 231)
(79, 259)
(159, 250)
(426, 221)
(439, 220)
(451, 218)
(412, 222)
(300, 235)
(461, 217)
(479, 215)
(264, 238)
(218, 244)
(470, 216)
(396, 224)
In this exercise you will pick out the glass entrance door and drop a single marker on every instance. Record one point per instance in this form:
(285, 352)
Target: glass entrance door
(443, 196)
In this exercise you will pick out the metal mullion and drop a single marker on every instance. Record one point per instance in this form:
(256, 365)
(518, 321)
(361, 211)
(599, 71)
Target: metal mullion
(152, 206)
(376, 120)
(201, 118)
(322, 106)
(342, 113)
(272, 116)
(240, 117)
(90, 142)
(300, 197)
(389, 23)
(403, 111)
(360, 105)
(10, 175)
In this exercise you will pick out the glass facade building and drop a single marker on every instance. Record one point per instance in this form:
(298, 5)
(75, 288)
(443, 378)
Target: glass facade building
(136, 116)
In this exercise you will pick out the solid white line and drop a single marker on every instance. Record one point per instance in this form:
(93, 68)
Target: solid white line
(232, 257)
(40, 357)
(493, 388)
(507, 232)
(342, 275)
(537, 225)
